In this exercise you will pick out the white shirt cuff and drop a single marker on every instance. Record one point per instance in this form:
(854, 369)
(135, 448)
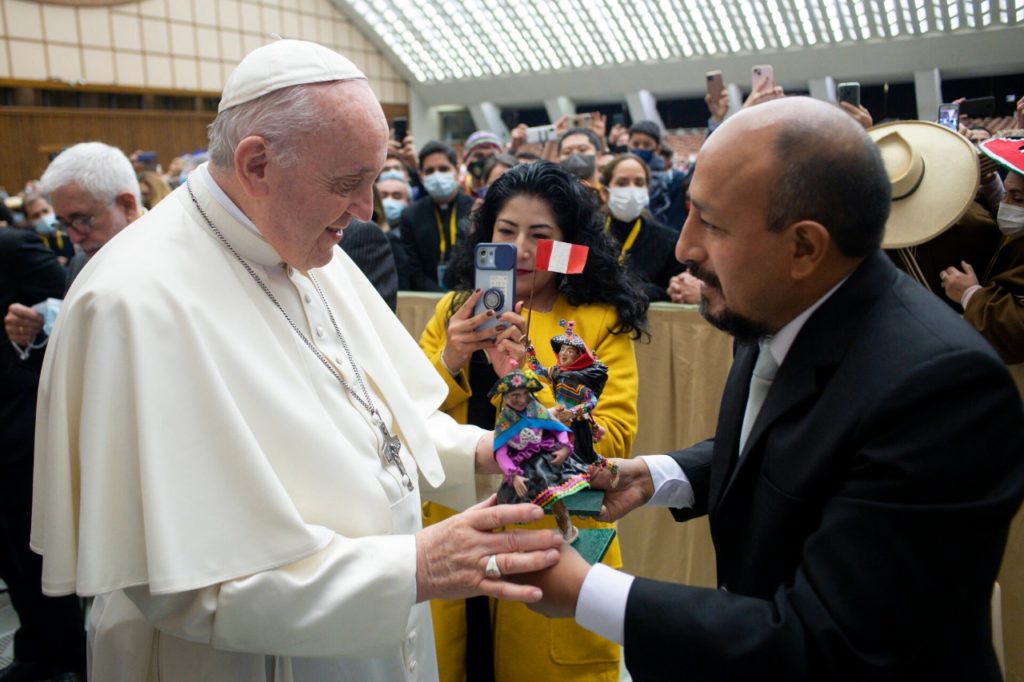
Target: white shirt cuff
(601, 607)
(966, 298)
(671, 486)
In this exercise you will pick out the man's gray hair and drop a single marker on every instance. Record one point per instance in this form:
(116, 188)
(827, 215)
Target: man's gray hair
(280, 117)
(101, 170)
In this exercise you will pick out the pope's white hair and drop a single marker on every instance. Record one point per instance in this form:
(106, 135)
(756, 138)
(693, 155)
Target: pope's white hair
(280, 117)
(101, 170)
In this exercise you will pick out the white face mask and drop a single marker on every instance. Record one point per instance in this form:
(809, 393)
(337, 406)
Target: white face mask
(1011, 220)
(626, 203)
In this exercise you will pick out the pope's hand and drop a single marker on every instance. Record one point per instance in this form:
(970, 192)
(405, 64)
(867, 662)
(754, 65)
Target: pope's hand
(451, 556)
(633, 488)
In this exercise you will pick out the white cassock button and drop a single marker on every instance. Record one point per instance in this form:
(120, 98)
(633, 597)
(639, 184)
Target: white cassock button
(338, 361)
(307, 298)
(320, 331)
(412, 637)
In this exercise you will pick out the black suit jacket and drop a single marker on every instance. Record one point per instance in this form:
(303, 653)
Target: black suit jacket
(29, 273)
(370, 249)
(422, 242)
(859, 535)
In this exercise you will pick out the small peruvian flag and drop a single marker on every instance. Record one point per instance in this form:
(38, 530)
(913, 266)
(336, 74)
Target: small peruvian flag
(561, 256)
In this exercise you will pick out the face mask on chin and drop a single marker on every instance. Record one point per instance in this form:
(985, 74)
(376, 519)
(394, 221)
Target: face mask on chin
(440, 186)
(1010, 218)
(627, 203)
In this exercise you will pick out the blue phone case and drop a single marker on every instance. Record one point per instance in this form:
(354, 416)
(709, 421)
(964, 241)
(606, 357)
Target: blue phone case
(495, 266)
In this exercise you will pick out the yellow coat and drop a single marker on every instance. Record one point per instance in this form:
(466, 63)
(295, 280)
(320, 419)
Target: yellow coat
(528, 646)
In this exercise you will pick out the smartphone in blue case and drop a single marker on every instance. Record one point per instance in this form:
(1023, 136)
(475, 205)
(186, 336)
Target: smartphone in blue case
(495, 266)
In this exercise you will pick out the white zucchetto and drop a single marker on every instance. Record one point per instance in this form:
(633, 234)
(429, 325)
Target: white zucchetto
(282, 64)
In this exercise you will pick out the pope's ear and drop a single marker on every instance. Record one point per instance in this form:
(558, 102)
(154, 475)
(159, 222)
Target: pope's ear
(810, 242)
(252, 159)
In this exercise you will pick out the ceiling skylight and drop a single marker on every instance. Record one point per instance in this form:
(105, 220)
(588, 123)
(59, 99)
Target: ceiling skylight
(445, 40)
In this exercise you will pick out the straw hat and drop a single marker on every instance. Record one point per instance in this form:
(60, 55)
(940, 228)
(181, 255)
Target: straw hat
(934, 174)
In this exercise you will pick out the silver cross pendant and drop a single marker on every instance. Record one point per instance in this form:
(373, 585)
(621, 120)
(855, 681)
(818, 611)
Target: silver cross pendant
(391, 448)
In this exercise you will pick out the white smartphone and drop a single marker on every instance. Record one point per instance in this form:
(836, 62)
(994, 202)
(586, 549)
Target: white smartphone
(760, 74)
(539, 134)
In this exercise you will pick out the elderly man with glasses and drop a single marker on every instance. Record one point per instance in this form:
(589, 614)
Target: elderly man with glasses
(95, 194)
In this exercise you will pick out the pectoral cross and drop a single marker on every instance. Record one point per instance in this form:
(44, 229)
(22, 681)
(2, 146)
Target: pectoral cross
(390, 448)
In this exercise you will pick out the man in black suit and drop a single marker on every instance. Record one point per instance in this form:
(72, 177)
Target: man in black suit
(50, 640)
(867, 460)
(368, 247)
(432, 225)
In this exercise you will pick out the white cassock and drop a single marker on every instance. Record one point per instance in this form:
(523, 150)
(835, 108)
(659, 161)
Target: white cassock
(196, 462)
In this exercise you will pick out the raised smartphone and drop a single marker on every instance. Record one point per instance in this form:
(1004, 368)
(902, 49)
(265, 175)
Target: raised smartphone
(715, 85)
(761, 73)
(580, 120)
(949, 116)
(495, 274)
(401, 128)
(978, 107)
(849, 92)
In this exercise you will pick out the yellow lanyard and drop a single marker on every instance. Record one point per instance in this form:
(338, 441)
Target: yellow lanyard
(630, 239)
(440, 231)
(60, 240)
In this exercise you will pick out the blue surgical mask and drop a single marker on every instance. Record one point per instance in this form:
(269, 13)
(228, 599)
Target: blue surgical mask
(645, 154)
(46, 225)
(48, 309)
(440, 186)
(393, 210)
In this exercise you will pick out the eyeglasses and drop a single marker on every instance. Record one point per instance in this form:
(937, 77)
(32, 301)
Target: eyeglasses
(81, 224)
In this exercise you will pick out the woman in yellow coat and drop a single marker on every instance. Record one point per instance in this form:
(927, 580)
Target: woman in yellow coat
(527, 203)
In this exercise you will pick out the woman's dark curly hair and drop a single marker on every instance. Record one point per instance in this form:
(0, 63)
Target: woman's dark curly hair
(575, 207)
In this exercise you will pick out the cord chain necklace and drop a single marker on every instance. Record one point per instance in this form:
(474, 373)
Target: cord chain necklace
(391, 445)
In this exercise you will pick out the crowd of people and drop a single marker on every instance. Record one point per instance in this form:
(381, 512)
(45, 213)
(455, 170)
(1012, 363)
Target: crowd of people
(215, 426)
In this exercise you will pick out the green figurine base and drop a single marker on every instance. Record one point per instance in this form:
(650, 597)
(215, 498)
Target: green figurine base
(592, 543)
(585, 503)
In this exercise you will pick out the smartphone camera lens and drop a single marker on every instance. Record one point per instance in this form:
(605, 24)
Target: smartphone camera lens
(493, 299)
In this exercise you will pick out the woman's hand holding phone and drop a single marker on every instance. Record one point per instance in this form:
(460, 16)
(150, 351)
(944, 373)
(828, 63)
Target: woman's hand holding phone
(502, 343)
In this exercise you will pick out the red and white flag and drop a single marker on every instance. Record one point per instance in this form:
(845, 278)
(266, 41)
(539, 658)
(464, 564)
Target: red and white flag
(561, 256)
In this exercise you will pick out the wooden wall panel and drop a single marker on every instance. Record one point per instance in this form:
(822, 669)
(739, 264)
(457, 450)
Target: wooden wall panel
(29, 135)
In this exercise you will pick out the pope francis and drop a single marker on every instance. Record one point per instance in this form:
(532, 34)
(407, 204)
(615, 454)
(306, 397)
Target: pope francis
(234, 428)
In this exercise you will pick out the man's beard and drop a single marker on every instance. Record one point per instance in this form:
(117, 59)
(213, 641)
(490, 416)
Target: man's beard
(743, 328)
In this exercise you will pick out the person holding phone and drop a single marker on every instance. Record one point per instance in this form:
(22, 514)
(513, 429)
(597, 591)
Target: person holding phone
(527, 203)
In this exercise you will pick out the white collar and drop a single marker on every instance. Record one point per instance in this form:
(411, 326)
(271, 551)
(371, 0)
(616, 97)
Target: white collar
(780, 343)
(224, 200)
